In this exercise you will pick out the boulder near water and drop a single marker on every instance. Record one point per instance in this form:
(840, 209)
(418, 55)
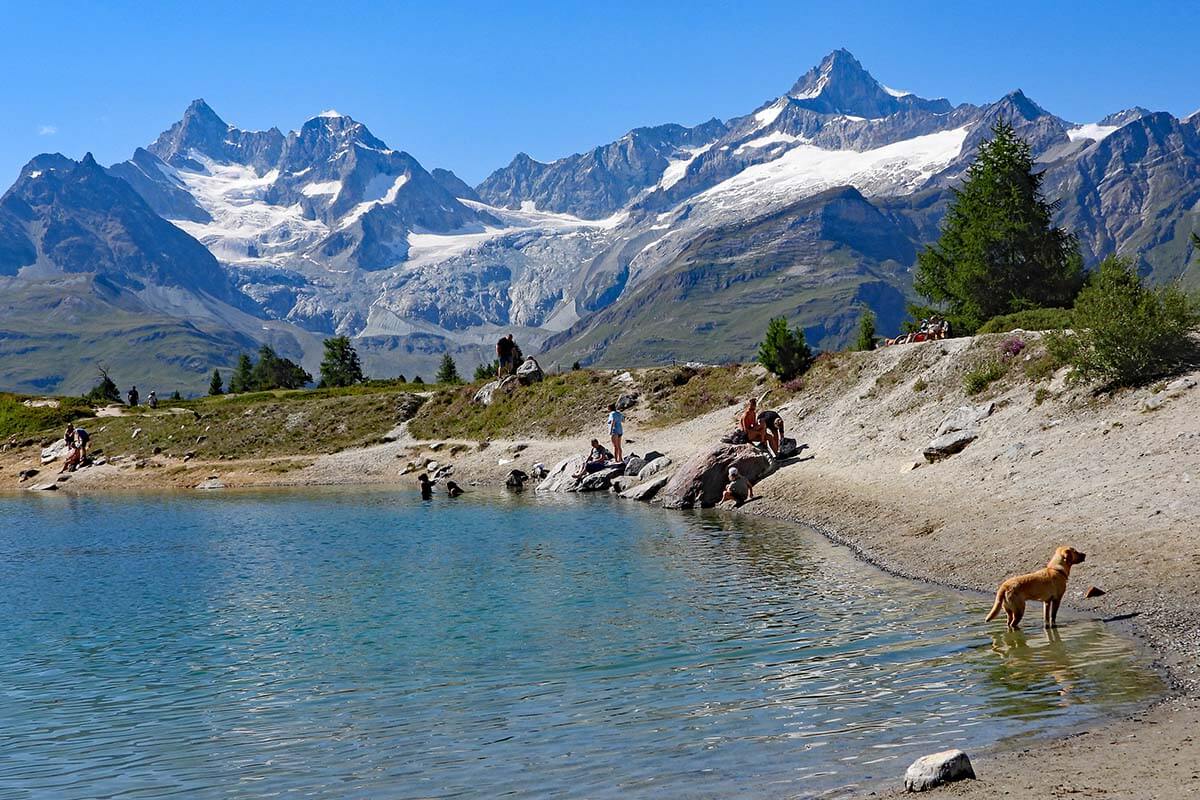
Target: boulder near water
(701, 481)
(561, 477)
(653, 467)
(933, 770)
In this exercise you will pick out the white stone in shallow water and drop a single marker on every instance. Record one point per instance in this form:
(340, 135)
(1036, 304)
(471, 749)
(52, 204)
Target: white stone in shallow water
(933, 770)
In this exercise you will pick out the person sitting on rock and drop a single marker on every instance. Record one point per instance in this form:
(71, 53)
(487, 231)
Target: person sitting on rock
(596, 460)
(426, 486)
(73, 455)
(739, 490)
(756, 432)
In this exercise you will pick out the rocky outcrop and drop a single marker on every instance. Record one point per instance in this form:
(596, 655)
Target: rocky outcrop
(598, 481)
(58, 450)
(957, 430)
(634, 464)
(488, 393)
(701, 481)
(931, 771)
(530, 371)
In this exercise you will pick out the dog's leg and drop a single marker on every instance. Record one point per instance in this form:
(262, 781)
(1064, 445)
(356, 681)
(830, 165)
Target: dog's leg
(1046, 604)
(1054, 604)
(1018, 612)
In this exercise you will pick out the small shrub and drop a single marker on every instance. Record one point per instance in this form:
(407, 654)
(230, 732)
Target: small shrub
(1011, 346)
(1035, 319)
(920, 385)
(1128, 333)
(794, 385)
(983, 376)
(1040, 395)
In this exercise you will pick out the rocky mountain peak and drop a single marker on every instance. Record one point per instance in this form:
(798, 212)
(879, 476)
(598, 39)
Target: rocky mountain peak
(841, 85)
(1126, 116)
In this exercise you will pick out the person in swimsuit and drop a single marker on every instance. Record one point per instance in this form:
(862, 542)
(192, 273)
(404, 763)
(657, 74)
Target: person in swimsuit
(426, 486)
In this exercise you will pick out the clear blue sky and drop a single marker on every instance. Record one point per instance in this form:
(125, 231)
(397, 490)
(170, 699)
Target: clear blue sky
(467, 85)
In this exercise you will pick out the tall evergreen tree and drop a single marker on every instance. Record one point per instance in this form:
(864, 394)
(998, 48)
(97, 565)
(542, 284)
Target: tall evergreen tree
(275, 372)
(999, 251)
(242, 379)
(215, 387)
(448, 371)
(340, 367)
(105, 390)
(784, 352)
(866, 331)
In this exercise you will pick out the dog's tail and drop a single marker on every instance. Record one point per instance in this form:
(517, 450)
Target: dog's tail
(995, 606)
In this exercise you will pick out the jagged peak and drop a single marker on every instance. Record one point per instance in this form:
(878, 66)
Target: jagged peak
(1020, 102)
(199, 109)
(837, 67)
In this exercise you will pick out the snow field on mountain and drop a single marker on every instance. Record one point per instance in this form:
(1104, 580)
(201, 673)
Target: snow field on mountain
(805, 170)
(1091, 130)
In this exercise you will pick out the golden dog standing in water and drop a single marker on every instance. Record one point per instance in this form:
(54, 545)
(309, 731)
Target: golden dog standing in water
(1048, 585)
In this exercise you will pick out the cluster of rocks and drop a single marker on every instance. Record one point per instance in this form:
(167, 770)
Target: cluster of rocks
(530, 372)
(1172, 389)
(637, 477)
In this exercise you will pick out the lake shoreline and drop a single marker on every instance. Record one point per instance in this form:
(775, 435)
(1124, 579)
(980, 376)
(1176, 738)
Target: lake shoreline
(1100, 473)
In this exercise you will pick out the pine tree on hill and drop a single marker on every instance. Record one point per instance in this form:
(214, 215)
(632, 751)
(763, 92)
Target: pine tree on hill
(866, 331)
(784, 352)
(999, 251)
(448, 371)
(215, 387)
(340, 366)
(242, 379)
(274, 372)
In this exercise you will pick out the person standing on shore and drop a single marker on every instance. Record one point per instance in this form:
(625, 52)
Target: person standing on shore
(616, 429)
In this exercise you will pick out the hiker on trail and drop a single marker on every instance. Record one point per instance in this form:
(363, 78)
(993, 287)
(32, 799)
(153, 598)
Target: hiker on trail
(426, 486)
(739, 490)
(615, 429)
(152, 400)
(504, 355)
(133, 396)
(597, 459)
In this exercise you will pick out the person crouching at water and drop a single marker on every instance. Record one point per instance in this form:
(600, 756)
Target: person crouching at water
(426, 486)
(739, 489)
(616, 422)
(596, 460)
(73, 453)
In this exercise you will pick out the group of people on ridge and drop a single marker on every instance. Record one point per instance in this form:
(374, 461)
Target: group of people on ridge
(508, 356)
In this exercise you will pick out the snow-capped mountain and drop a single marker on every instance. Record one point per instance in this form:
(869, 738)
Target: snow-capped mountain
(671, 242)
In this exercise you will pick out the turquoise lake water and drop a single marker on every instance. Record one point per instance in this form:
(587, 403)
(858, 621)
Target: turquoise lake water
(338, 644)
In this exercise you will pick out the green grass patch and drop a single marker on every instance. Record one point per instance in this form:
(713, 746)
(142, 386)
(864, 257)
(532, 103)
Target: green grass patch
(983, 375)
(1035, 319)
(680, 393)
(19, 419)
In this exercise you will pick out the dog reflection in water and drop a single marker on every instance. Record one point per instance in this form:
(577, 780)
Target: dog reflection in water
(1046, 659)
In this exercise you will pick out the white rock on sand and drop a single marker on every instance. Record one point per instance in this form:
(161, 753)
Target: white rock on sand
(931, 771)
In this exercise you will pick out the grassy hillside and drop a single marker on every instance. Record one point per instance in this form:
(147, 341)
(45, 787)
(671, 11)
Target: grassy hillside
(577, 401)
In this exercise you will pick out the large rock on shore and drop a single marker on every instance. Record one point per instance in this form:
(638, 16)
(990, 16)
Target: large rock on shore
(58, 450)
(646, 491)
(560, 478)
(654, 467)
(931, 771)
(701, 481)
(598, 481)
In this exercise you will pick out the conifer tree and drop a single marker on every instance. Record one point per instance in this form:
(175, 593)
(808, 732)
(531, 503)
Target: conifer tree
(242, 379)
(448, 371)
(866, 331)
(274, 372)
(784, 352)
(340, 366)
(215, 387)
(999, 251)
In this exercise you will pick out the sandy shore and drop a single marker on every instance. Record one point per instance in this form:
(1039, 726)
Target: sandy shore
(1099, 473)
